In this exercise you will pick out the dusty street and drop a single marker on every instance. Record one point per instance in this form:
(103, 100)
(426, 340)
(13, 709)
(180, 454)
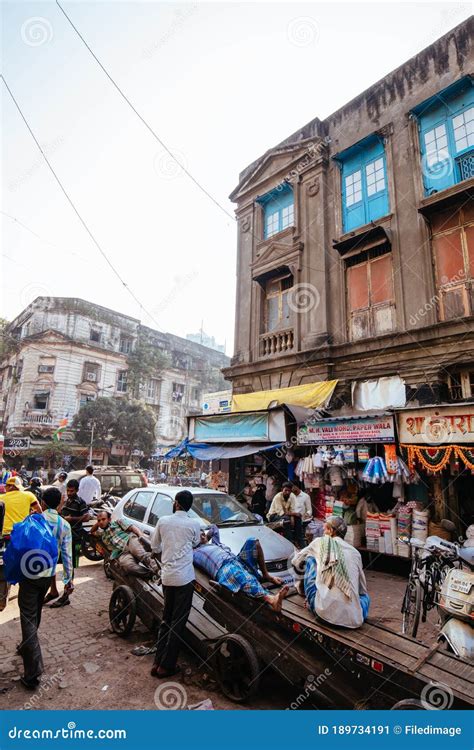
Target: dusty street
(89, 667)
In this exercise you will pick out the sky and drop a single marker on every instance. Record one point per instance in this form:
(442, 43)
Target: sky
(219, 83)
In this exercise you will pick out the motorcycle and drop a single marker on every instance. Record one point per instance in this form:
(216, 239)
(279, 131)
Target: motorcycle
(456, 603)
(90, 547)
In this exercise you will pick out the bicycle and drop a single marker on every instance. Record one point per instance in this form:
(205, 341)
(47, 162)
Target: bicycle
(424, 582)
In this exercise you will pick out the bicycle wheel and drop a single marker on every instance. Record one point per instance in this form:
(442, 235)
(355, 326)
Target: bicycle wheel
(411, 608)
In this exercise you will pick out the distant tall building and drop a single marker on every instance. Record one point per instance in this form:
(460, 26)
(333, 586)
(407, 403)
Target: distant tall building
(203, 338)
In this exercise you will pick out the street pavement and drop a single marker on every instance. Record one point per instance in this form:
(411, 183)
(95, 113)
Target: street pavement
(89, 667)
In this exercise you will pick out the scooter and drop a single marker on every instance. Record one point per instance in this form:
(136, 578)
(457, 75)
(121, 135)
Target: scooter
(456, 604)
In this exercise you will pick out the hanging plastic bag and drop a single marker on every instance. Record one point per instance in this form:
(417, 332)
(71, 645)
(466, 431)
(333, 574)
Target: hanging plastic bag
(32, 550)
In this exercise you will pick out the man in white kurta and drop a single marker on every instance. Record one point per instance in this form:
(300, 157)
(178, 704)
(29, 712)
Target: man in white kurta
(334, 580)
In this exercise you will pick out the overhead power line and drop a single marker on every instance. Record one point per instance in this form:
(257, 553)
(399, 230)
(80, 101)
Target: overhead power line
(71, 203)
(142, 119)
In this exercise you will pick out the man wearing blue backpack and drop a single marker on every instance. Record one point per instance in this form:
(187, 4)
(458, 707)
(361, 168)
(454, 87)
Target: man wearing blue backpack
(34, 585)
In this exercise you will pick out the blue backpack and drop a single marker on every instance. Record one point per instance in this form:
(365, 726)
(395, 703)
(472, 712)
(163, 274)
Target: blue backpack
(33, 549)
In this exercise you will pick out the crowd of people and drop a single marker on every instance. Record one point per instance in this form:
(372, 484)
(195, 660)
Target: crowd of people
(328, 570)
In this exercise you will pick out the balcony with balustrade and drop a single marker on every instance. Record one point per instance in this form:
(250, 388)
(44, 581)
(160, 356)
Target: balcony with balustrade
(277, 342)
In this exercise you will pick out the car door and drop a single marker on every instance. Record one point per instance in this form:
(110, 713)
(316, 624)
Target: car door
(137, 507)
(162, 505)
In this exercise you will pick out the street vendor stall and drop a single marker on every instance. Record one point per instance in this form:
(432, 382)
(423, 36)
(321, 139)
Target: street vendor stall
(438, 443)
(353, 469)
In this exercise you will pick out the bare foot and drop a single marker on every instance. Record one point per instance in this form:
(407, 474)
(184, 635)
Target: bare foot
(276, 600)
(273, 579)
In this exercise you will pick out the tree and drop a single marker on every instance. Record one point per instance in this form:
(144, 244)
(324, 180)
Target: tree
(126, 422)
(135, 427)
(144, 362)
(102, 413)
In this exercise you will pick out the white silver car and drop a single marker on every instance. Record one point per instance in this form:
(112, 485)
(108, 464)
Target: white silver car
(236, 523)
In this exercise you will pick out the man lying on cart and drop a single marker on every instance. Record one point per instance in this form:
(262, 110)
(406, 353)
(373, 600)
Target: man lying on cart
(243, 572)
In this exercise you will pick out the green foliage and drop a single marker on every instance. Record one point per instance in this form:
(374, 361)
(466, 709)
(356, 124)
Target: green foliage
(103, 414)
(117, 420)
(135, 427)
(144, 362)
(7, 342)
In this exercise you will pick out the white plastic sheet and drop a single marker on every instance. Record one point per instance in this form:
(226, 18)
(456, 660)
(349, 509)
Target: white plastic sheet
(384, 393)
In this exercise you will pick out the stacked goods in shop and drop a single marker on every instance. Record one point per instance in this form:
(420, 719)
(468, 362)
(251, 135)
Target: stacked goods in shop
(388, 529)
(355, 534)
(404, 529)
(372, 531)
(420, 525)
(338, 508)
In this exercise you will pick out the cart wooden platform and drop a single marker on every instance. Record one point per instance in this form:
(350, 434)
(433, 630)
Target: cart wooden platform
(240, 638)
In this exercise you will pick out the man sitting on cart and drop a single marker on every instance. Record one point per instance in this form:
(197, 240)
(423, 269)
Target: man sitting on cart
(334, 580)
(243, 572)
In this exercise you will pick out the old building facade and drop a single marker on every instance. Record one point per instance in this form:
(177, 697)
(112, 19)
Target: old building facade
(62, 352)
(356, 240)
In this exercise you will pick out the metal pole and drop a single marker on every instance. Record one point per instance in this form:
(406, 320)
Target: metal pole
(92, 440)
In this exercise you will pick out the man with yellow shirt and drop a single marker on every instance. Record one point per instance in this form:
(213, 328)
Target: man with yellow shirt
(17, 507)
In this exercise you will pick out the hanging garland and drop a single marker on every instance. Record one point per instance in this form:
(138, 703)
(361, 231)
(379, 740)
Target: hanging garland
(435, 459)
(466, 455)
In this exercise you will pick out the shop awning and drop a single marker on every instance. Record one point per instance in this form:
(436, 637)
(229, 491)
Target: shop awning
(204, 452)
(311, 395)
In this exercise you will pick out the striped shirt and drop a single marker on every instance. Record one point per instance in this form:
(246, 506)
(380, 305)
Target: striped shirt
(62, 531)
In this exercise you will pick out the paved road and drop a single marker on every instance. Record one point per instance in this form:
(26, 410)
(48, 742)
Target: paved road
(89, 667)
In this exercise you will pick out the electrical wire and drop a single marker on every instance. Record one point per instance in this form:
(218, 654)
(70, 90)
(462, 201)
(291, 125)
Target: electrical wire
(144, 122)
(71, 203)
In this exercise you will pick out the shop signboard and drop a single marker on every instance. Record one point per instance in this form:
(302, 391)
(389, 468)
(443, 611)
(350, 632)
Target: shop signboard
(363, 430)
(17, 444)
(219, 402)
(232, 428)
(437, 426)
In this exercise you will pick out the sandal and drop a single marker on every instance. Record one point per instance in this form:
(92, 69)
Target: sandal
(61, 602)
(50, 598)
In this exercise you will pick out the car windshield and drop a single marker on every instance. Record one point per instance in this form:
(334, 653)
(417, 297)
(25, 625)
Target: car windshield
(221, 509)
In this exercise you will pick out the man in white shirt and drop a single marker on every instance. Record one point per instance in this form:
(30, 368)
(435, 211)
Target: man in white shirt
(283, 508)
(334, 580)
(303, 503)
(175, 537)
(89, 486)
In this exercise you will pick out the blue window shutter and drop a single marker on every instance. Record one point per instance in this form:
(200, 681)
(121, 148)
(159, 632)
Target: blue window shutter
(369, 207)
(274, 204)
(440, 111)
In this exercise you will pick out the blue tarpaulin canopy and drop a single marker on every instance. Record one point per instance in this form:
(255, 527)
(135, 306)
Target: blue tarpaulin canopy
(206, 452)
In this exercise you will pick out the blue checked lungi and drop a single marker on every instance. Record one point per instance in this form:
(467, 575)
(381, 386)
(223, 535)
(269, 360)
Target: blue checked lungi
(242, 573)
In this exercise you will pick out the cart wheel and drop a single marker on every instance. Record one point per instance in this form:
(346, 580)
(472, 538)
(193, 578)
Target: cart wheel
(122, 610)
(236, 668)
(409, 704)
(108, 569)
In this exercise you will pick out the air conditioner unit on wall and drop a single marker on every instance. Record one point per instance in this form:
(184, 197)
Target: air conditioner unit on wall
(92, 377)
